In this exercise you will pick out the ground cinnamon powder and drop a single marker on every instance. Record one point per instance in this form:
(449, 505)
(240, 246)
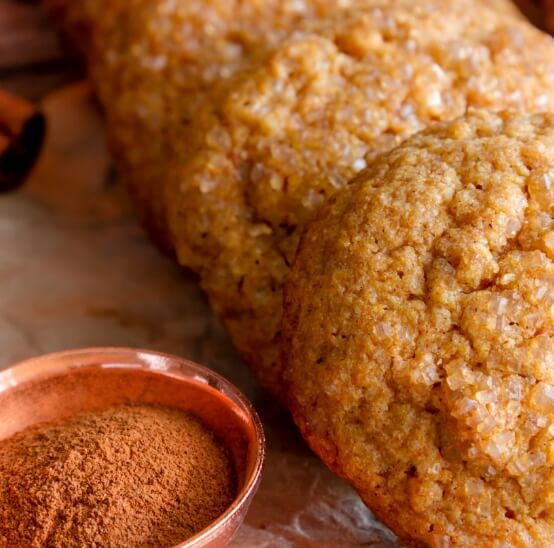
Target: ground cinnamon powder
(128, 475)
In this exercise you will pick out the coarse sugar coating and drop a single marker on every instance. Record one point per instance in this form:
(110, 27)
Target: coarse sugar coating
(233, 121)
(418, 333)
(314, 110)
(157, 63)
(79, 17)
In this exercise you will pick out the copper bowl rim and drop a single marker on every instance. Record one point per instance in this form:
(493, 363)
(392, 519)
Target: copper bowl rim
(52, 367)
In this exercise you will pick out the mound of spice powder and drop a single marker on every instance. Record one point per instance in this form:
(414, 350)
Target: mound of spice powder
(127, 475)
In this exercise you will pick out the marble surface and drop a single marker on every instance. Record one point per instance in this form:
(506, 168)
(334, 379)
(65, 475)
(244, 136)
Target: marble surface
(77, 270)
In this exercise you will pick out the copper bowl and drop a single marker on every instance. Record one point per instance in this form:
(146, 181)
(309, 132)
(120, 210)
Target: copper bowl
(59, 385)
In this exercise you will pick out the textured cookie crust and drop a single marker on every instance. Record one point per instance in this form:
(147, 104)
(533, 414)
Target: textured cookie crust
(233, 121)
(418, 333)
(157, 63)
(308, 115)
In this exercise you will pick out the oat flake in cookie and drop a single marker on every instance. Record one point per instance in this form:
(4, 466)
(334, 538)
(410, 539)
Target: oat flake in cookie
(419, 333)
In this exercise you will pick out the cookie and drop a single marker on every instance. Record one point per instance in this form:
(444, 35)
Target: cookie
(312, 112)
(419, 333)
(157, 64)
(233, 121)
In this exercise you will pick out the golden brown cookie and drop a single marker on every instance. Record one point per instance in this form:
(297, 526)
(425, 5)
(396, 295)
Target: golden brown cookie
(419, 333)
(157, 63)
(233, 121)
(312, 112)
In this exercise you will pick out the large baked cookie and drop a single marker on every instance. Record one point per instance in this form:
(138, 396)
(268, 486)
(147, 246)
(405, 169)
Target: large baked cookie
(157, 63)
(233, 120)
(312, 112)
(419, 324)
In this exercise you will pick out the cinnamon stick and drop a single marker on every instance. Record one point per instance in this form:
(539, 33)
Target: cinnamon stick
(22, 129)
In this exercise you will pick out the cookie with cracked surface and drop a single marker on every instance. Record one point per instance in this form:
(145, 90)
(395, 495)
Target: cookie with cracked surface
(156, 63)
(419, 333)
(231, 132)
(307, 116)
